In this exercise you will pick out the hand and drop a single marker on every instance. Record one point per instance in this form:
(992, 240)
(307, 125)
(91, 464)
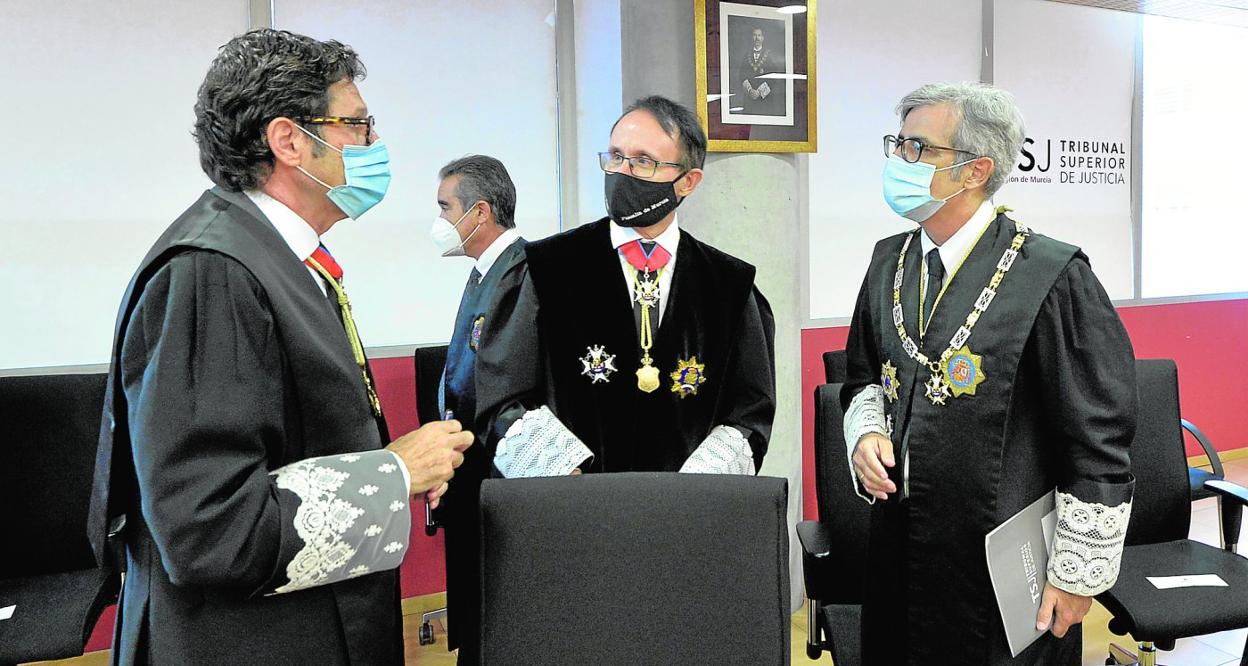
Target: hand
(873, 453)
(434, 497)
(431, 454)
(575, 472)
(1069, 609)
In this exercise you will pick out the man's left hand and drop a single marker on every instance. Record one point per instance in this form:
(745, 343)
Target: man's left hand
(1062, 608)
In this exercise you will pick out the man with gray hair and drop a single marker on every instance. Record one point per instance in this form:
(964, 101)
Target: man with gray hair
(986, 366)
(478, 204)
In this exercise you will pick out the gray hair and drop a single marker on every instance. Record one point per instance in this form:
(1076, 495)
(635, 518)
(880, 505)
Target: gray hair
(989, 123)
(256, 77)
(483, 178)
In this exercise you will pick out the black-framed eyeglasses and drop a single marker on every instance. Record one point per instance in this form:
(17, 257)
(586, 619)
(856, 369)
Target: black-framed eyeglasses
(369, 123)
(640, 166)
(911, 150)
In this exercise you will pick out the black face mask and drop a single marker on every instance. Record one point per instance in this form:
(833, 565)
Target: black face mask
(632, 202)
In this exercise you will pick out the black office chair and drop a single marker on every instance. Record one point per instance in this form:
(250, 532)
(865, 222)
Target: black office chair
(49, 431)
(834, 370)
(635, 568)
(1157, 543)
(1230, 514)
(834, 547)
(429, 363)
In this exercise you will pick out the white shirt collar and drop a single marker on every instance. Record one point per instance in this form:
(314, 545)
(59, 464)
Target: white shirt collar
(959, 244)
(297, 233)
(491, 254)
(669, 239)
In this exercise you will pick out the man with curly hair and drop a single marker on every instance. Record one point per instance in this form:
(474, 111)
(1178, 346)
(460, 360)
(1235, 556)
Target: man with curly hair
(243, 472)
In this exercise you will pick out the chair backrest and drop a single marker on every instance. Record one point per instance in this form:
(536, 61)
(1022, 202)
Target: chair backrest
(638, 567)
(430, 361)
(1161, 508)
(840, 508)
(834, 366)
(49, 432)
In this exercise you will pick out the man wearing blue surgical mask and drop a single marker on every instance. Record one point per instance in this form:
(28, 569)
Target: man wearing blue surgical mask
(246, 474)
(986, 367)
(478, 204)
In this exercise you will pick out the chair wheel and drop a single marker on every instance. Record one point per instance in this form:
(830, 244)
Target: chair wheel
(813, 651)
(426, 634)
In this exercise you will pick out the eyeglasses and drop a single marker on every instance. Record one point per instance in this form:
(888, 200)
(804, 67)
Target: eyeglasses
(369, 122)
(640, 166)
(911, 150)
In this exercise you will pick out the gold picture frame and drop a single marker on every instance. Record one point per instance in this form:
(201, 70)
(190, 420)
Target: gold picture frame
(766, 44)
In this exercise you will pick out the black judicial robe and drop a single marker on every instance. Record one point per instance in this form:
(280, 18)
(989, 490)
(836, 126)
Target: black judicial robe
(230, 363)
(458, 511)
(1057, 408)
(571, 294)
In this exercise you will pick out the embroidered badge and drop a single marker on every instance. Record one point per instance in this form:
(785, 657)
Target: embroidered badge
(598, 364)
(964, 372)
(888, 380)
(688, 376)
(474, 338)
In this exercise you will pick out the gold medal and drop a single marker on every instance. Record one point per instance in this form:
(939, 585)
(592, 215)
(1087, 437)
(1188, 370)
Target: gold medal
(888, 380)
(688, 376)
(964, 372)
(474, 338)
(958, 371)
(647, 377)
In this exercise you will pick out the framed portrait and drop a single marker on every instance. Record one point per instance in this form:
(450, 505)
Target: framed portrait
(756, 75)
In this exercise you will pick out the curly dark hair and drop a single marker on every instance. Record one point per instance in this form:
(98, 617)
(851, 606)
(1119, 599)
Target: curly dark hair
(256, 77)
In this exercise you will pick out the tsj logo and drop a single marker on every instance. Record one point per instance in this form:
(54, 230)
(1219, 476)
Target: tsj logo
(1030, 160)
(1078, 162)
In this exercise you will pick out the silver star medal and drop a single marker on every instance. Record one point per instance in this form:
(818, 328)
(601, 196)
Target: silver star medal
(648, 292)
(598, 364)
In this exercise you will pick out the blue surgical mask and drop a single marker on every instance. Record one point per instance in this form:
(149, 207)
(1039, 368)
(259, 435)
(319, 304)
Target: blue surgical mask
(367, 171)
(908, 188)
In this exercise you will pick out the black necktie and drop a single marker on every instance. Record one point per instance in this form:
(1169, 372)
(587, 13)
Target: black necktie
(935, 278)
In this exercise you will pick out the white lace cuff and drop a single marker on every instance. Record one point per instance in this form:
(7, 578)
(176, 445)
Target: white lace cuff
(1087, 545)
(866, 414)
(538, 444)
(353, 516)
(724, 451)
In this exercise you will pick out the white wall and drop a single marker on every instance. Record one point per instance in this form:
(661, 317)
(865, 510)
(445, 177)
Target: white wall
(870, 54)
(598, 99)
(1081, 91)
(446, 78)
(1193, 94)
(98, 158)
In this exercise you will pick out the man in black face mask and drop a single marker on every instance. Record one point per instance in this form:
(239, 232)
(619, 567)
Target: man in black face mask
(627, 344)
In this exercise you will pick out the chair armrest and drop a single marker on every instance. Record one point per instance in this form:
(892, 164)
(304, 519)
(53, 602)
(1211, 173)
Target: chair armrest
(1222, 488)
(1205, 444)
(819, 565)
(816, 538)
